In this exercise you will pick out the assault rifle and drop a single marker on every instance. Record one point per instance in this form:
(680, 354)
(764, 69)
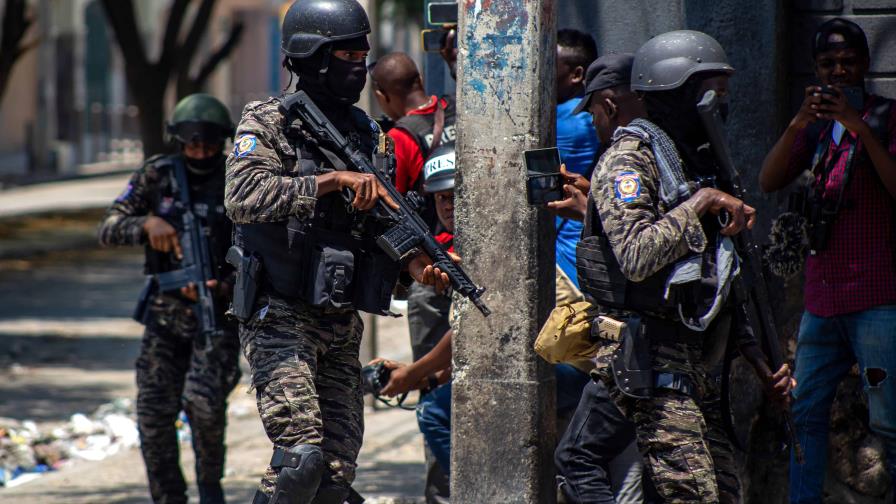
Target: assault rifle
(196, 265)
(406, 230)
(750, 284)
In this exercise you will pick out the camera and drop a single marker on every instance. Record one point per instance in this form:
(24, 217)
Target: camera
(374, 377)
(819, 214)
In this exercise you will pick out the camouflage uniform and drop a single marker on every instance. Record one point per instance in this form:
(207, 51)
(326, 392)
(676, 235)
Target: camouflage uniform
(175, 370)
(686, 452)
(304, 360)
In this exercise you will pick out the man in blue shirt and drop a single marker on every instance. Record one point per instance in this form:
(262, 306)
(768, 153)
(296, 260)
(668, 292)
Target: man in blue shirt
(576, 140)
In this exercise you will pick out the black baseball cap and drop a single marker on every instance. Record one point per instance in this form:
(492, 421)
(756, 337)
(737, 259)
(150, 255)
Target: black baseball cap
(608, 71)
(850, 36)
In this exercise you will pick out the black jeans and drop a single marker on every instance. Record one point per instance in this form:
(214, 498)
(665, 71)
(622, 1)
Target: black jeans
(597, 434)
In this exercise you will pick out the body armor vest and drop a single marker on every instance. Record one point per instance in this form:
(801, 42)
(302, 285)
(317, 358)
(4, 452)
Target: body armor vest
(331, 258)
(601, 279)
(207, 201)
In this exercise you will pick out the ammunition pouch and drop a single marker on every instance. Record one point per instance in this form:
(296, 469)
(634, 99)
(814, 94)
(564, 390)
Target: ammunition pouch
(323, 268)
(150, 289)
(248, 271)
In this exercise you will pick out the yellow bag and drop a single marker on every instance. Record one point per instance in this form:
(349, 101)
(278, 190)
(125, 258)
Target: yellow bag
(566, 335)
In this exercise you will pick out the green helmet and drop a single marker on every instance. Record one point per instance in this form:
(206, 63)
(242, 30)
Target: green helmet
(200, 117)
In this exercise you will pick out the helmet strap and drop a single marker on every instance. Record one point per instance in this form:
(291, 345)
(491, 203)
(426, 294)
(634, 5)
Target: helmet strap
(287, 64)
(324, 65)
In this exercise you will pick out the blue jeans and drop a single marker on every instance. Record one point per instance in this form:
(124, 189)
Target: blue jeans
(434, 409)
(826, 350)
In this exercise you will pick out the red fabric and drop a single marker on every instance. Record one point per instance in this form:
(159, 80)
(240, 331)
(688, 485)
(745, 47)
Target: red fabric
(447, 239)
(408, 157)
(857, 271)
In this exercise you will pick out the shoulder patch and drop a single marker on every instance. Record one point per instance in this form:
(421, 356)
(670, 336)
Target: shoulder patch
(244, 145)
(628, 186)
(124, 194)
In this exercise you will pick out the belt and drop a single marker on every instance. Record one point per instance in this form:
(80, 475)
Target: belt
(675, 381)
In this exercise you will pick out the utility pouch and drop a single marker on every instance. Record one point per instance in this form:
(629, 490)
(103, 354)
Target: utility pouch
(248, 271)
(632, 364)
(566, 335)
(377, 275)
(150, 287)
(329, 273)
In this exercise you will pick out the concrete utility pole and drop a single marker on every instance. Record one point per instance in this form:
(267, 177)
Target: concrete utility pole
(503, 404)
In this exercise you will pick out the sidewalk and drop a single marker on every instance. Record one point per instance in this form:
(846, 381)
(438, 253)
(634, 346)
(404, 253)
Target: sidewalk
(80, 194)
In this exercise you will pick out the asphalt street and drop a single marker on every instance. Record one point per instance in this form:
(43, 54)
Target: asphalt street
(67, 345)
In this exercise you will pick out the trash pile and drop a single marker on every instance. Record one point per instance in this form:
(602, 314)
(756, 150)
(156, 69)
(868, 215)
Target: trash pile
(26, 452)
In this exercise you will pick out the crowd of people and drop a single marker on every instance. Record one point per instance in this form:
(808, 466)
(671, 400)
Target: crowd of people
(283, 232)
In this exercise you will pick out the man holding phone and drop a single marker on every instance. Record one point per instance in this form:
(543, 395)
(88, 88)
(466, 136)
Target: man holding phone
(847, 139)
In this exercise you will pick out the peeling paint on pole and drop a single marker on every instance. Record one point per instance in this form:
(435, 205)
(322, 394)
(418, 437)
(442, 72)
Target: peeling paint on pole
(503, 405)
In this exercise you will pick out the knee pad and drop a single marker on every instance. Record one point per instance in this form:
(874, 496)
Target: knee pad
(335, 494)
(299, 471)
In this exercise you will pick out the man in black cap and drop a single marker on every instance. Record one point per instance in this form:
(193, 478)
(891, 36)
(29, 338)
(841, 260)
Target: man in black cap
(611, 104)
(847, 138)
(597, 458)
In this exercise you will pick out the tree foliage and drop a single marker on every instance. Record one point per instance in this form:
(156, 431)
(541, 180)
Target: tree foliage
(15, 25)
(148, 80)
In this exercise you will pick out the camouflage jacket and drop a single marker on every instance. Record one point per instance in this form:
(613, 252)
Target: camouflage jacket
(152, 192)
(123, 223)
(263, 182)
(645, 235)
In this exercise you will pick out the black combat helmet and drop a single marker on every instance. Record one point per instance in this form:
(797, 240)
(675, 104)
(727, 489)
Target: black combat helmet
(309, 24)
(200, 117)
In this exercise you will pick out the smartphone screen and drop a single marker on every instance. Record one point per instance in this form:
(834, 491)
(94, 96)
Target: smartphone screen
(543, 182)
(442, 13)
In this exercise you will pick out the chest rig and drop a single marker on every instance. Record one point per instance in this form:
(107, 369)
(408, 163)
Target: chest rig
(330, 259)
(206, 203)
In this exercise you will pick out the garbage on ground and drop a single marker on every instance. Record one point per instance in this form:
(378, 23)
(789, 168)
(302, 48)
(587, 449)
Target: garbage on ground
(26, 452)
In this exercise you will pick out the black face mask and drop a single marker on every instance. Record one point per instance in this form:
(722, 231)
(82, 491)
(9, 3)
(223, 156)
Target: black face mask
(207, 165)
(346, 79)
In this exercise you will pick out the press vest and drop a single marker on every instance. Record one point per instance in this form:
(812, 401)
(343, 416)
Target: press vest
(330, 259)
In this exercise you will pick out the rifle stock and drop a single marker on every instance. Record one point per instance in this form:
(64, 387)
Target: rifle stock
(751, 266)
(407, 230)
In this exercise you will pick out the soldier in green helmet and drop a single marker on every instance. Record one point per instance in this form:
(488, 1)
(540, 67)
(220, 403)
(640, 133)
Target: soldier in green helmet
(178, 367)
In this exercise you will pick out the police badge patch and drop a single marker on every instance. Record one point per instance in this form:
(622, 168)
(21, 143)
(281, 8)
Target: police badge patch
(244, 145)
(628, 186)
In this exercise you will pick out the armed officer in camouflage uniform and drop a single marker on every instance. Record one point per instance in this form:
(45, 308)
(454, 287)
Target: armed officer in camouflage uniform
(304, 219)
(177, 367)
(658, 258)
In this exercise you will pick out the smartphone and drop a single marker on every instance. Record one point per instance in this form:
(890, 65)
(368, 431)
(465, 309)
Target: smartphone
(855, 95)
(432, 40)
(543, 181)
(442, 13)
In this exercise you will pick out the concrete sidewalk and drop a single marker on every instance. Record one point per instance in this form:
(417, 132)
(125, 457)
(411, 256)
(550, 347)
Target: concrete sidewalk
(63, 196)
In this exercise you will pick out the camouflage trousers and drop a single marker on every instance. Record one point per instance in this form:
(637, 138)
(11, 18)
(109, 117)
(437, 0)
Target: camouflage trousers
(306, 375)
(176, 372)
(686, 451)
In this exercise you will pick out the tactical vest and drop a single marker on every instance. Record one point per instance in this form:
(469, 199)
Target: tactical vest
(207, 201)
(601, 279)
(331, 259)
